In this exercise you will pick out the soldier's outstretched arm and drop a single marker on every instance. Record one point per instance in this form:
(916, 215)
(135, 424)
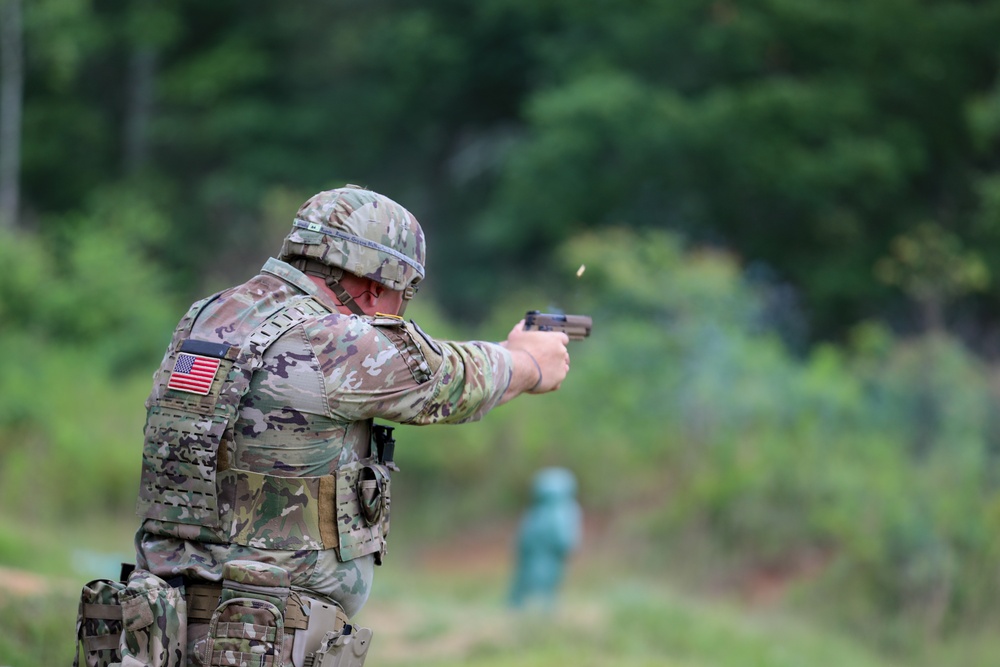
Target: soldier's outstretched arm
(541, 361)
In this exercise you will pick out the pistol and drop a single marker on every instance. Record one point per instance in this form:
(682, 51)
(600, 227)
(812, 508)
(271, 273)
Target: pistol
(577, 327)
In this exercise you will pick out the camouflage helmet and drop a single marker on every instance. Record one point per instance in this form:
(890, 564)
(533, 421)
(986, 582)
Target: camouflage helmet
(361, 232)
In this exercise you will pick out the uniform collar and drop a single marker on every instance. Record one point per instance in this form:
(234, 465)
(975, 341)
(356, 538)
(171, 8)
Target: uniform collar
(297, 279)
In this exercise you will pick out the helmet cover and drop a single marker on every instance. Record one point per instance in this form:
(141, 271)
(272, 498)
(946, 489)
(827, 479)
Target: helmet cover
(361, 232)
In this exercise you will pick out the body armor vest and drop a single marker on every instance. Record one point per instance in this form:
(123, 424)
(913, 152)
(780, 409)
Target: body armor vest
(188, 487)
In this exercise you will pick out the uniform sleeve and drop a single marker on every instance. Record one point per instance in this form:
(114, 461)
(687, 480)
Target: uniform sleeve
(396, 372)
(472, 379)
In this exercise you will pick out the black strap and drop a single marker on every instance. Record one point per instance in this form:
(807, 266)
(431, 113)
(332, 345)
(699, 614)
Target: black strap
(385, 444)
(332, 276)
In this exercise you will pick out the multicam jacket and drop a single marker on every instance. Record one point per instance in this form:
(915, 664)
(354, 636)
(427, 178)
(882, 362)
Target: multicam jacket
(266, 443)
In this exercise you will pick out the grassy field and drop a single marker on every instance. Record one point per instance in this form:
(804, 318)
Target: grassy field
(439, 619)
(445, 606)
(426, 618)
(853, 485)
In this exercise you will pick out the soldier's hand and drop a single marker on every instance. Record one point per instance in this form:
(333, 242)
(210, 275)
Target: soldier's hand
(541, 359)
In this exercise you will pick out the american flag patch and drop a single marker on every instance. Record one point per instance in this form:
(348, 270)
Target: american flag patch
(193, 373)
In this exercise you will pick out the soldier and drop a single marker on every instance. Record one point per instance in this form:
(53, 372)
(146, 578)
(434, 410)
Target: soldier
(265, 491)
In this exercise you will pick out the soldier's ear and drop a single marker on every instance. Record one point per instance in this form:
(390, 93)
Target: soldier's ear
(370, 295)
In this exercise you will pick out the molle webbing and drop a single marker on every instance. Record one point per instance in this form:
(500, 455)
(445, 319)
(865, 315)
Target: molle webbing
(184, 440)
(189, 485)
(203, 599)
(187, 434)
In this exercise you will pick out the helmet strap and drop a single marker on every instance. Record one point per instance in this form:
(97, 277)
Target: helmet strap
(331, 275)
(408, 293)
(333, 282)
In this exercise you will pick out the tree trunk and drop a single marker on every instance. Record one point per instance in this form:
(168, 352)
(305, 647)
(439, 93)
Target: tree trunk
(139, 111)
(11, 101)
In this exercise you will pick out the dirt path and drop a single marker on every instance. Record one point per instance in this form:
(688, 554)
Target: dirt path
(20, 583)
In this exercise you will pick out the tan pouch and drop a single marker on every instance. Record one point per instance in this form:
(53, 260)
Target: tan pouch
(362, 510)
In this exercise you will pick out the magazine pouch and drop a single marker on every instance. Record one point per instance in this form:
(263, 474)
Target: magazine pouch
(247, 628)
(99, 623)
(154, 619)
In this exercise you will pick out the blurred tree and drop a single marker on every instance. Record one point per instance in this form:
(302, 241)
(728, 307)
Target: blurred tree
(931, 266)
(11, 102)
(69, 121)
(801, 134)
(147, 26)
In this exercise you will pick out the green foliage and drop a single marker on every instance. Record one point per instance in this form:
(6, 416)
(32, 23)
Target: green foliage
(692, 428)
(84, 314)
(800, 134)
(63, 407)
(38, 629)
(108, 279)
(931, 266)
(421, 618)
(758, 126)
(686, 413)
(800, 139)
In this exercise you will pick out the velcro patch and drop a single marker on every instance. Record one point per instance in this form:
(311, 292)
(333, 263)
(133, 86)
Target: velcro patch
(193, 373)
(220, 350)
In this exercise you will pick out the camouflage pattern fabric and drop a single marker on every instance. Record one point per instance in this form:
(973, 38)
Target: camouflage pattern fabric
(248, 626)
(154, 616)
(252, 579)
(245, 632)
(99, 623)
(308, 411)
(362, 232)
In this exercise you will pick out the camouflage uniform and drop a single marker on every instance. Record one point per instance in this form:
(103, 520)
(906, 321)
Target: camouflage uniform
(308, 412)
(264, 464)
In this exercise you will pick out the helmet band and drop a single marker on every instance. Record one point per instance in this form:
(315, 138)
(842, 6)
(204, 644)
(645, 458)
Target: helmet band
(367, 243)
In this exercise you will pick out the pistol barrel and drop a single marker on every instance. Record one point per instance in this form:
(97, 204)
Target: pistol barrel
(577, 327)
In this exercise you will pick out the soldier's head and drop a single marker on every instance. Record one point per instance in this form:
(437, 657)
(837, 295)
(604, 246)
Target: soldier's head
(360, 232)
